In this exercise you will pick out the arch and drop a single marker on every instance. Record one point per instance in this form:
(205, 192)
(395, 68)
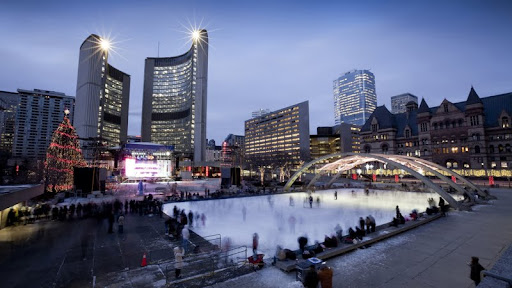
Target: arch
(409, 164)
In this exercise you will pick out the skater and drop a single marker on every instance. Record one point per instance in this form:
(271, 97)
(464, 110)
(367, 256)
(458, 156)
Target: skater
(291, 222)
(203, 218)
(291, 201)
(335, 195)
(190, 218)
(178, 256)
(442, 206)
(310, 201)
(255, 242)
(476, 268)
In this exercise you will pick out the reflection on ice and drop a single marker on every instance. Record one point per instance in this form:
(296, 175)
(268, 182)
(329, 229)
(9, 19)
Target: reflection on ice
(281, 219)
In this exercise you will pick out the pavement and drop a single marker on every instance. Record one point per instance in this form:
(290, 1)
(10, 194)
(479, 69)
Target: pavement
(80, 253)
(433, 255)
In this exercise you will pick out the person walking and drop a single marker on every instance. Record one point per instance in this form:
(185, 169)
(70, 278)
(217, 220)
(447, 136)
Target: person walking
(110, 222)
(140, 188)
(325, 276)
(178, 257)
(335, 195)
(185, 235)
(476, 268)
(311, 278)
(120, 223)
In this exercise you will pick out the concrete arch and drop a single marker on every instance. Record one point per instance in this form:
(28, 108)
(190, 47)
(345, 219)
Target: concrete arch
(408, 164)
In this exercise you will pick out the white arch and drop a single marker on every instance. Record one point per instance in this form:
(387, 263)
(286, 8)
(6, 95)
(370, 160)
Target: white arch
(408, 164)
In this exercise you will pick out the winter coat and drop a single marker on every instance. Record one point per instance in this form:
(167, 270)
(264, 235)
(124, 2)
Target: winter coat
(178, 256)
(311, 279)
(325, 277)
(185, 233)
(475, 272)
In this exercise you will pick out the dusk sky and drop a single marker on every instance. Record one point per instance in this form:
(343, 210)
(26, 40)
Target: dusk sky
(269, 54)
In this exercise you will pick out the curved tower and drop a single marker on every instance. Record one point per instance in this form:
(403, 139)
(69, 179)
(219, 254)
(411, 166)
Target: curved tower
(174, 103)
(102, 98)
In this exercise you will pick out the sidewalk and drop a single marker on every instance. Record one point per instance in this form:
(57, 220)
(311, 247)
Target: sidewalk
(433, 255)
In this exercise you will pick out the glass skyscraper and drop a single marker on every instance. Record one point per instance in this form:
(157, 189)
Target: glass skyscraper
(174, 102)
(354, 97)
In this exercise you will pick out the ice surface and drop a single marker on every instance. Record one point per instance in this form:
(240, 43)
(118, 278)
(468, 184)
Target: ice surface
(271, 216)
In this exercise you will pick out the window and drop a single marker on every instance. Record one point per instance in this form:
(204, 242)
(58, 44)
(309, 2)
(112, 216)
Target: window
(500, 148)
(474, 120)
(504, 122)
(407, 133)
(385, 148)
(491, 149)
(423, 127)
(367, 149)
(374, 127)
(477, 149)
(445, 108)
(466, 165)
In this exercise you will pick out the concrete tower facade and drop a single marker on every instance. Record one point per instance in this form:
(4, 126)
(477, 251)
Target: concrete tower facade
(102, 98)
(175, 100)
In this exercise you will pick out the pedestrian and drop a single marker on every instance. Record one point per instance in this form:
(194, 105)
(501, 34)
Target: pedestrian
(476, 268)
(442, 206)
(110, 222)
(397, 212)
(310, 201)
(140, 188)
(185, 235)
(311, 278)
(203, 219)
(325, 276)
(178, 257)
(120, 223)
(361, 224)
(255, 242)
(190, 218)
(335, 195)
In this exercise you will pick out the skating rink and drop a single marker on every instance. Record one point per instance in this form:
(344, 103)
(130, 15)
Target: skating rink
(280, 221)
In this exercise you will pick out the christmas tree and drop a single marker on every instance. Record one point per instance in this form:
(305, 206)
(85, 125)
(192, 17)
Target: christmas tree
(62, 155)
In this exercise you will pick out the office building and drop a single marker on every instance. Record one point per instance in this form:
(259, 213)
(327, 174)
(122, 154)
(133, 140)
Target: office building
(349, 137)
(102, 95)
(398, 102)
(8, 106)
(259, 112)
(325, 142)
(279, 137)
(354, 97)
(38, 115)
(175, 100)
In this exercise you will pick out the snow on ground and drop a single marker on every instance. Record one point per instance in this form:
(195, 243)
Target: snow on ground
(272, 216)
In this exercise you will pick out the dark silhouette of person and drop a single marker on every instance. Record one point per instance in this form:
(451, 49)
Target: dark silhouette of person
(476, 268)
(397, 212)
(303, 241)
(311, 278)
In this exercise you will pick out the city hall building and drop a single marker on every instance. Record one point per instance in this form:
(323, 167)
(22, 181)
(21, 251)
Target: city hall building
(102, 98)
(473, 136)
(174, 102)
